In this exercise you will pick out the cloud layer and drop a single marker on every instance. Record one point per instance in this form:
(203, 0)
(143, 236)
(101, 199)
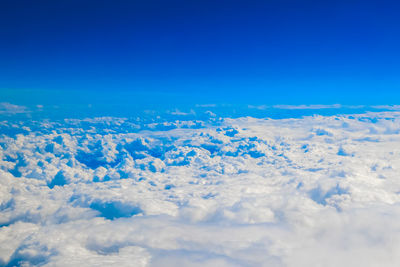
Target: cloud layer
(315, 191)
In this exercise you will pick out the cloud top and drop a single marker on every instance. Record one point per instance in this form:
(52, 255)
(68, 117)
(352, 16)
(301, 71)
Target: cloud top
(320, 190)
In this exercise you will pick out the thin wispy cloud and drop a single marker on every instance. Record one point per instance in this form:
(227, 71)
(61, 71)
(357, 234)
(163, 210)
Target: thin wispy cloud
(387, 107)
(334, 106)
(10, 109)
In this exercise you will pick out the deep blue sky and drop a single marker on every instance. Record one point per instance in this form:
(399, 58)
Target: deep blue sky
(273, 52)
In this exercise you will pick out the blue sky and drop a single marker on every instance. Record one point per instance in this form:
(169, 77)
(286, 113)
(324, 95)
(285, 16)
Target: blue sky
(272, 52)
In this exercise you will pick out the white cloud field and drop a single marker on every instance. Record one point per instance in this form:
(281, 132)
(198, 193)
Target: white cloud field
(310, 191)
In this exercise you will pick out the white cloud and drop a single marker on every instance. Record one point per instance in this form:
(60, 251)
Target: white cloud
(181, 113)
(206, 105)
(9, 109)
(315, 191)
(260, 107)
(334, 106)
(387, 107)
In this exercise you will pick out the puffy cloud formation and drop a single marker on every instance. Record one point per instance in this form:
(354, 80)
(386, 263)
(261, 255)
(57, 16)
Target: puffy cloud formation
(315, 191)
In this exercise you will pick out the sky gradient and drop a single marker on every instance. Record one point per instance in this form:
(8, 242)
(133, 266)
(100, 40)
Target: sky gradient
(272, 52)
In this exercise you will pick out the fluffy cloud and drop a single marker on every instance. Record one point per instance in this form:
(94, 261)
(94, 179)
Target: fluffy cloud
(224, 192)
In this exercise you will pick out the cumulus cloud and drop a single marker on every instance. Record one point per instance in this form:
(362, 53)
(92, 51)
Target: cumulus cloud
(315, 191)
